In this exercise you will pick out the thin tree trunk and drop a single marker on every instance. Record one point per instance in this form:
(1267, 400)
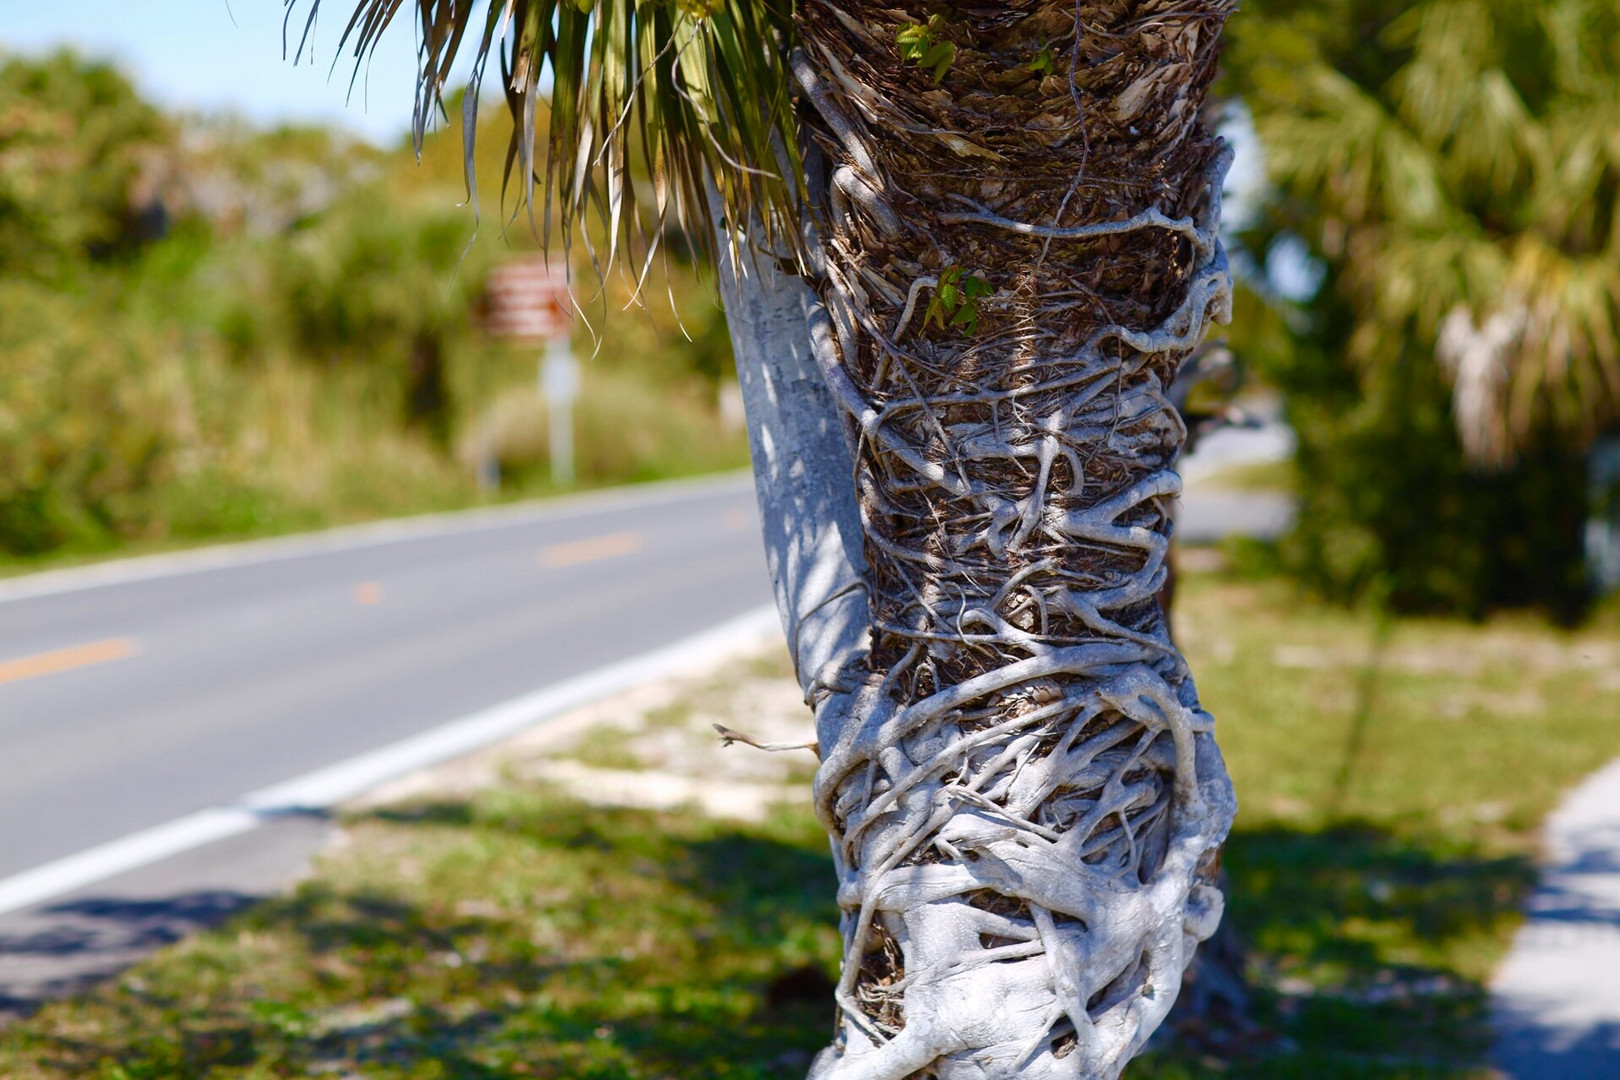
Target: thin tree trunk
(1025, 799)
(803, 473)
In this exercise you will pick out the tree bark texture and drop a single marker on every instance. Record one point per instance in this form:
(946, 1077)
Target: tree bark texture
(1025, 799)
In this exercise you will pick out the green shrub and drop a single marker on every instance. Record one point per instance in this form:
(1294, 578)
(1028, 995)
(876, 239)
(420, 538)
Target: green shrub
(243, 332)
(628, 427)
(1391, 510)
(1445, 166)
(75, 143)
(90, 423)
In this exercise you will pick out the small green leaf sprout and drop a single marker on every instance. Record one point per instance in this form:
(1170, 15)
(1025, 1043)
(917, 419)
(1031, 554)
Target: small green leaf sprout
(1042, 64)
(956, 301)
(919, 45)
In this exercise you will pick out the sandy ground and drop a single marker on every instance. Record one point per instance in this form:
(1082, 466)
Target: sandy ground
(655, 747)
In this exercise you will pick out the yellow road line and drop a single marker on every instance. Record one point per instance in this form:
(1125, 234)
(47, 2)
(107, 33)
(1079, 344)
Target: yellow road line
(584, 551)
(77, 656)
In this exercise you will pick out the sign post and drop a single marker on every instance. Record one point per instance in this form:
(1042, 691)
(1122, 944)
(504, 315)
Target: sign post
(529, 302)
(559, 385)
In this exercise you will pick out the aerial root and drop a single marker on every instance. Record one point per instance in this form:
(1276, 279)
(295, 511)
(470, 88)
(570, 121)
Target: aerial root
(1024, 795)
(729, 736)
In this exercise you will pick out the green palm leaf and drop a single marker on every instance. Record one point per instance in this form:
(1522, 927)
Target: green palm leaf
(1479, 182)
(648, 99)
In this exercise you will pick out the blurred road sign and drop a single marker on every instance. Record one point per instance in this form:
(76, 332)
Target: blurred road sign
(529, 302)
(528, 299)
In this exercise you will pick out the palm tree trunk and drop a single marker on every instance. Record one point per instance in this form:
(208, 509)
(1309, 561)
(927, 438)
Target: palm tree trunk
(1025, 800)
(802, 471)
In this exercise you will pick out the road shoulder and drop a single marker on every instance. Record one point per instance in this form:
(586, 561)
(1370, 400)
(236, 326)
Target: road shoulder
(82, 934)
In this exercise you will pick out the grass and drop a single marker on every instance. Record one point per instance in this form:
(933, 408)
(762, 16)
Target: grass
(512, 935)
(254, 450)
(353, 466)
(1280, 476)
(1391, 776)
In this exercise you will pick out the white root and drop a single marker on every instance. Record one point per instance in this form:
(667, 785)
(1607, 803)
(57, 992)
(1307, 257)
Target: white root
(1025, 798)
(1101, 897)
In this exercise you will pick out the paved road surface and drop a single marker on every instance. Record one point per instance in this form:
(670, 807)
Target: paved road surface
(125, 704)
(1209, 513)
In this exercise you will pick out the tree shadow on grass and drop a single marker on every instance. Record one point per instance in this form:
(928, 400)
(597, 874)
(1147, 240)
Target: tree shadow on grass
(74, 945)
(136, 924)
(1339, 895)
(1364, 952)
(715, 977)
(717, 965)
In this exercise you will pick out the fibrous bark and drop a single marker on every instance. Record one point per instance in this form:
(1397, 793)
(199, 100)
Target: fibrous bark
(1014, 243)
(1025, 798)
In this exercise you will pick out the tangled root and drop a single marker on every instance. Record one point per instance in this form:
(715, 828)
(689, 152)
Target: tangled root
(1026, 800)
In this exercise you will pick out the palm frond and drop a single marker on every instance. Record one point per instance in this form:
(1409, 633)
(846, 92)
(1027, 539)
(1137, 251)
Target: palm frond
(1472, 212)
(685, 90)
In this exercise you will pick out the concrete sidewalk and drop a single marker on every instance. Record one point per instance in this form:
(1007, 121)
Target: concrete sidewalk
(1556, 998)
(1209, 512)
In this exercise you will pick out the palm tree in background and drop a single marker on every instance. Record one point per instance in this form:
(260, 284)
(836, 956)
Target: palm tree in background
(1458, 163)
(963, 251)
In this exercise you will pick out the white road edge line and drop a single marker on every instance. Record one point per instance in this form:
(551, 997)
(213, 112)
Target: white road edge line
(326, 787)
(371, 534)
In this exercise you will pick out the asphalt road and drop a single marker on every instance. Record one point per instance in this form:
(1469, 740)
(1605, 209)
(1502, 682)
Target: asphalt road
(128, 703)
(141, 694)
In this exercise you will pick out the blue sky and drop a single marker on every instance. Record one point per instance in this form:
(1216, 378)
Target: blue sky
(217, 55)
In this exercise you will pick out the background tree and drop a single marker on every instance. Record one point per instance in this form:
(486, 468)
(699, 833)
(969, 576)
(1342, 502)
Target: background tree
(963, 252)
(74, 139)
(1454, 165)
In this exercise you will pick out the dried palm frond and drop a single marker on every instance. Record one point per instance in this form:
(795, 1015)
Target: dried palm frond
(685, 89)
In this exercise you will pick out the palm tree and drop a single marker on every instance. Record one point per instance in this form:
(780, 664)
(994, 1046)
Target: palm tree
(1457, 163)
(963, 251)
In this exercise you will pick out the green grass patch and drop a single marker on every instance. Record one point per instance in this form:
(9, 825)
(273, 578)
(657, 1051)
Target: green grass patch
(510, 936)
(1391, 775)
(1281, 476)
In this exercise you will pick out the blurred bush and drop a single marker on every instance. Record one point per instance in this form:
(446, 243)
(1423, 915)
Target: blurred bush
(75, 140)
(629, 426)
(209, 329)
(1450, 169)
(90, 424)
